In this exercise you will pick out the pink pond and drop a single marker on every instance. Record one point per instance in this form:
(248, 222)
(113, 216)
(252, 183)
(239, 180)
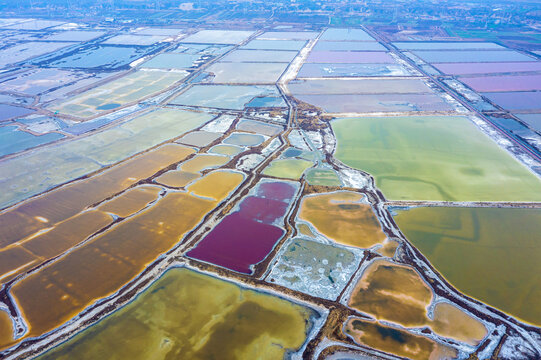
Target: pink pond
(246, 237)
(487, 68)
(504, 83)
(345, 57)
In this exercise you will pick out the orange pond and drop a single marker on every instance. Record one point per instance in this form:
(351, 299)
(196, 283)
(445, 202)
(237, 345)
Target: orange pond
(342, 216)
(397, 342)
(43, 212)
(6, 328)
(58, 292)
(17, 258)
(398, 294)
(131, 201)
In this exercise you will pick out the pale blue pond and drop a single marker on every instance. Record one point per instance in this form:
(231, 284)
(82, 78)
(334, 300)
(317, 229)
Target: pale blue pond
(267, 101)
(173, 61)
(348, 46)
(109, 57)
(10, 111)
(226, 96)
(346, 35)
(446, 45)
(275, 45)
(13, 140)
(533, 120)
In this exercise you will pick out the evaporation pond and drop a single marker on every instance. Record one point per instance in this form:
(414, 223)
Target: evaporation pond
(172, 61)
(314, 268)
(100, 56)
(491, 254)
(246, 236)
(471, 56)
(219, 320)
(13, 140)
(224, 96)
(9, 111)
(243, 139)
(433, 158)
(351, 70)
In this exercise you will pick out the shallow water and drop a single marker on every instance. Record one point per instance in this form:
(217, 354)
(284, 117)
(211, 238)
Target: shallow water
(342, 217)
(272, 56)
(275, 45)
(518, 100)
(224, 96)
(396, 341)
(13, 140)
(323, 177)
(504, 83)
(344, 103)
(219, 320)
(116, 93)
(314, 268)
(35, 172)
(287, 168)
(58, 292)
(230, 150)
(243, 139)
(348, 46)
(345, 34)
(218, 37)
(460, 242)
(430, 158)
(172, 61)
(351, 70)
(199, 138)
(247, 73)
(488, 68)
(259, 127)
(232, 244)
(345, 57)
(471, 56)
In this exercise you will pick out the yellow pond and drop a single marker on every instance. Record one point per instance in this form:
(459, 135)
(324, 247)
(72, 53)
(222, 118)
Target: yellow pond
(6, 328)
(342, 216)
(398, 294)
(217, 184)
(188, 315)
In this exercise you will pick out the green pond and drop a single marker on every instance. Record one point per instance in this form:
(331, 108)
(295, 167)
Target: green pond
(323, 177)
(188, 315)
(433, 158)
(491, 254)
(287, 168)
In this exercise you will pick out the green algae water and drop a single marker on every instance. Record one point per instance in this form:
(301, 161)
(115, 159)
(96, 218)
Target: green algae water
(188, 315)
(491, 254)
(433, 158)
